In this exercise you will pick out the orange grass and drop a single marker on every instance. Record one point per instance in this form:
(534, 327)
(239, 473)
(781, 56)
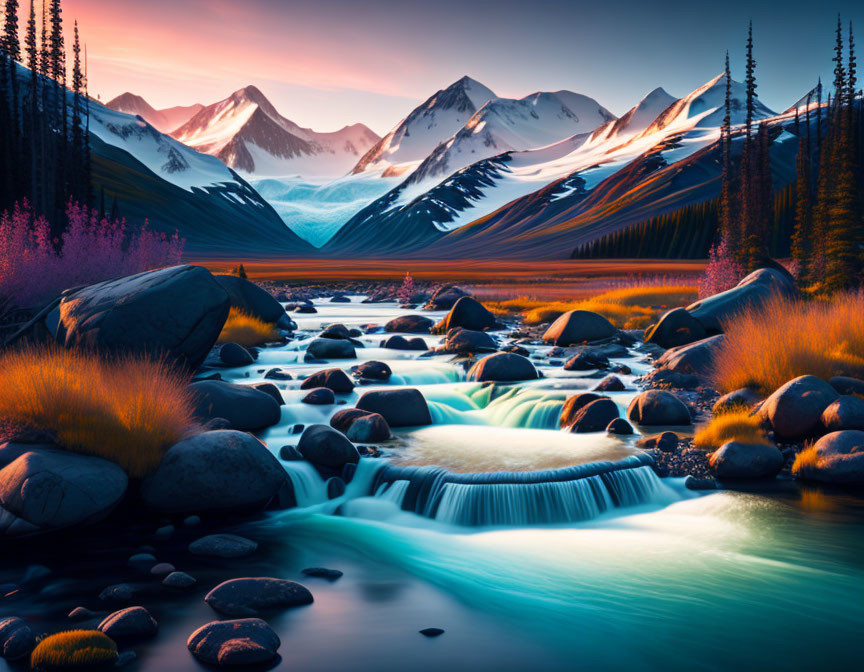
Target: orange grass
(627, 307)
(247, 330)
(730, 426)
(74, 649)
(766, 347)
(128, 410)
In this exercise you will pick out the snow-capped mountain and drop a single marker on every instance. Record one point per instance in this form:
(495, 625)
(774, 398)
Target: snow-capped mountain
(247, 133)
(417, 135)
(162, 120)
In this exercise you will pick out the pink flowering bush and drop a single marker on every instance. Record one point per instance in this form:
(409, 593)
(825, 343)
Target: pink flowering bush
(33, 271)
(723, 271)
(406, 289)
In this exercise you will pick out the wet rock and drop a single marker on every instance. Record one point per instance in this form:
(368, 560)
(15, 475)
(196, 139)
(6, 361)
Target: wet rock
(657, 408)
(179, 580)
(742, 398)
(410, 324)
(124, 592)
(320, 396)
(847, 385)
(464, 341)
(330, 348)
(142, 562)
(620, 427)
(431, 632)
(371, 428)
(272, 390)
(837, 457)
(610, 384)
(323, 445)
(673, 380)
(278, 374)
(667, 442)
(241, 642)
(246, 408)
(574, 404)
(595, 416)
(677, 327)
(579, 326)
(223, 546)
(503, 367)
(694, 483)
(231, 354)
(586, 360)
(335, 487)
(305, 309)
(694, 359)
(845, 413)
(343, 419)
(250, 298)
(16, 638)
(467, 313)
(322, 573)
(401, 343)
(746, 460)
(340, 298)
(373, 370)
(290, 454)
(162, 569)
(129, 623)
(250, 596)
(405, 407)
(445, 297)
(334, 379)
(81, 614)
(214, 472)
(516, 350)
(795, 410)
(336, 331)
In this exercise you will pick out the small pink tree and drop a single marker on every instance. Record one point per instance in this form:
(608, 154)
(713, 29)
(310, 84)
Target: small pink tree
(406, 289)
(723, 271)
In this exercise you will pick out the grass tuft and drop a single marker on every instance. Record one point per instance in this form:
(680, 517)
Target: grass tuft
(74, 649)
(730, 426)
(128, 410)
(769, 346)
(247, 330)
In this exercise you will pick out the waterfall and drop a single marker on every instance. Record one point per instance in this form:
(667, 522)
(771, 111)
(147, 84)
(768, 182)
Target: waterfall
(514, 407)
(564, 495)
(309, 487)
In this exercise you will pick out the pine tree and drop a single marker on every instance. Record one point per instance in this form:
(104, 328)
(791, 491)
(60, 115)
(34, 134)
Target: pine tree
(77, 179)
(728, 225)
(802, 241)
(11, 44)
(839, 72)
(750, 79)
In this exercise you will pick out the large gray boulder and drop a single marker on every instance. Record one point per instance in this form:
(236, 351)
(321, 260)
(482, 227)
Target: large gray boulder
(244, 407)
(751, 292)
(746, 460)
(45, 489)
(176, 312)
(503, 367)
(579, 326)
(241, 642)
(467, 313)
(694, 358)
(795, 410)
(250, 596)
(323, 445)
(837, 457)
(250, 298)
(220, 471)
(677, 327)
(656, 408)
(405, 407)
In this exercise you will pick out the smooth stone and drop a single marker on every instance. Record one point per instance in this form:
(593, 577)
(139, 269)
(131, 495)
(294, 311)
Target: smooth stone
(81, 614)
(323, 445)
(142, 561)
(335, 487)
(333, 379)
(272, 390)
(410, 324)
(579, 326)
(179, 580)
(657, 408)
(16, 638)
(694, 358)
(503, 367)
(322, 573)
(129, 623)
(847, 385)
(232, 354)
(278, 374)
(467, 341)
(371, 428)
(574, 404)
(405, 407)
(620, 427)
(432, 632)
(252, 299)
(223, 546)
(445, 297)
(677, 327)
(741, 398)
(162, 569)
(290, 454)
(845, 413)
(246, 408)
(586, 360)
(594, 416)
(247, 641)
(839, 458)
(746, 460)
(667, 442)
(467, 313)
(373, 370)
(330, 348)
(319, 396)
(248, 597)
(693, 483)
(610, 384)
(795, 409)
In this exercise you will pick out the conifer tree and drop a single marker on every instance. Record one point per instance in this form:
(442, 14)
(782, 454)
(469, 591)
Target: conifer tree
(802, 242)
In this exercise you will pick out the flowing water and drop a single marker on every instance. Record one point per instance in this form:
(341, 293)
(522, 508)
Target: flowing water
(533, 548)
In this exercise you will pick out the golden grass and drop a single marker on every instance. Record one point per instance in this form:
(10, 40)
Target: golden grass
(626, 308)
(806, 462)
(766, 347)
(247, 330)
(127, 410)
(74, 649)
(730, 426)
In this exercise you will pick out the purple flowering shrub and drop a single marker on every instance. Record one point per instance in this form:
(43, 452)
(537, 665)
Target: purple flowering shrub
(723, 271)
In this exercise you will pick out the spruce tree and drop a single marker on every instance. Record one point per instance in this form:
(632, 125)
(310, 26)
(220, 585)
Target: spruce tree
(802, 242)
(11, 44)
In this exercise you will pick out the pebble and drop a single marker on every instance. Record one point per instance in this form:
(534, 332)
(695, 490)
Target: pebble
(223, 546)
(179, 580)
(129, 623)
(322, 573)
(142, 561)
(162, 569)
(81, 614)
(431, 632)
(165, 532)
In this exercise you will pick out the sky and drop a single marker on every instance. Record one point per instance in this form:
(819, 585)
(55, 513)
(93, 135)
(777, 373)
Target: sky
(328, 63)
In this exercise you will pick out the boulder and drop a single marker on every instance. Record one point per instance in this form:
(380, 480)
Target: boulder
(278, 374)
(323, 445)
(578, 326)
(795, 410)
(467, 313)
(620, 426)
(222, 471)
(231, 355)
(242, 642)
(371, 428)
(675, 328)
(319, 396)
(695, 358)
(742, 398)
(372, 370)
(176, 312)
(16, 638)
(266, 388)
(330, 348)
(179, 580)
(445, 297)
(594, 417)
(45, 489)
(333, 379)
(410, 324)
(405, 407)
(251, 596)
(658, 408)
(586, 360)
(465, 341)
(305, 309)
(837, 457)
(335, 331)
(746, 460)
(226, 546)
(847, 385)
(751, 292)
(250, 298)
(610, 384)
(129, 623)
(503, 367)
(340, 298)
(667, 442)
(845, 413)
(244, 407)
(343, 419)
(401, 343)
(574, 404)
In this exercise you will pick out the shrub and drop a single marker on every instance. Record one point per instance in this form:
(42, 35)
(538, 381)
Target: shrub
(722, 272)
(730, 426)
(247, 330)
(406, 290)
(32, 271)
(127, 410)
(767, 346)
(74, 649)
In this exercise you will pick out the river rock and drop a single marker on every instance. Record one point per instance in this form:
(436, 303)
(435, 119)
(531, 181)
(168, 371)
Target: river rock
(464, 341)
(322, 573)
(751, 292)
(675, 328)
(503, 367)
(620, 427)
(176, 312)
(267, 388)
(333, 379)
(129, 623)
(467, 313)
(242, 642)
(667, 442)
(574, 404)
(222, 471)
(244, 407)
(847, 385)
(746, 460)
(578, 326)
(325, 446)
(694, 358)
(179, 580)
(250, 596)
(336, 332)
(795, 409)
(610, 384)
(343, 419)
(410, 324)
(837, 457)
(586, 360)
(372, 370)
(405, 407)
(847, 412)
(16, 638)
(278, 374)
(658, 408)
(45, 489)
(594, 417)
(744, 398)
(371, 428)
(398, 342)
(231, 355)
(223, 546)
(331, 348)
(319, 396)
(250, 298)
(445, 297)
